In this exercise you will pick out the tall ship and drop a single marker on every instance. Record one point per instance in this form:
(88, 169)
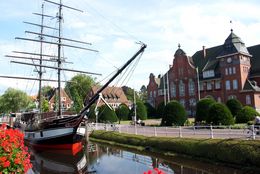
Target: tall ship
(57, 129)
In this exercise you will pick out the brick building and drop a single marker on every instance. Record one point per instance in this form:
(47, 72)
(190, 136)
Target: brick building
(114, 96)
(66, 102)
(231, 70)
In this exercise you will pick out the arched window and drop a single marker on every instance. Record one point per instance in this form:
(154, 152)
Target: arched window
(191, 87)
(173, 89)
(181, 88)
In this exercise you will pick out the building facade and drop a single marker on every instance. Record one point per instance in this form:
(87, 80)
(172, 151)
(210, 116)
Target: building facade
(227, 71)
(114, 96)
(66, 102)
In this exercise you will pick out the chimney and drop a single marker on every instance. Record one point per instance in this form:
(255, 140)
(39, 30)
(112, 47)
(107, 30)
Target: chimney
(204, 51)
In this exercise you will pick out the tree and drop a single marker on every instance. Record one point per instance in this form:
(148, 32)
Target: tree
(122, 112)
(129, 92)
(174, 114)
(45, 105)
(46, 91)
(234, 106)
(247, 113)
(151, 111)
(202, 109)
(160, 110)
(77, 88)
(105, 114)
(13, 100)
(143, 93)
(219, 114)
(141, 112)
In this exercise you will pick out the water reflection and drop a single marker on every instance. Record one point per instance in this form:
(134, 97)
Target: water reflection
(104, 159)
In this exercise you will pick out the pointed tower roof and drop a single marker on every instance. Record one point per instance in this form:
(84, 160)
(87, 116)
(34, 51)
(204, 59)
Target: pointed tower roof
(179, 52)
(233, 44)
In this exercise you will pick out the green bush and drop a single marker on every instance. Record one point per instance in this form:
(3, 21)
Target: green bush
(231, 151)
(202, 109)
(219, 114)
(105, 114)
(151, 111)
(122, 112)
(160, 109)
(174, 114)
(246, 114)
(141, 112)
(234, 106)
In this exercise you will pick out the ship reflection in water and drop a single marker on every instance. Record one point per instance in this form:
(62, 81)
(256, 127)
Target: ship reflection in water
(103, 159)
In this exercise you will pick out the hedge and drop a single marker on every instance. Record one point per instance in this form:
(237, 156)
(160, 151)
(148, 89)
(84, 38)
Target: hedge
(231, 151)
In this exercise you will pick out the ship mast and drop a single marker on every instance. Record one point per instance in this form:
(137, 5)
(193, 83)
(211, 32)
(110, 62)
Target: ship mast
(59, 59)
(39, 56)
(40, 68)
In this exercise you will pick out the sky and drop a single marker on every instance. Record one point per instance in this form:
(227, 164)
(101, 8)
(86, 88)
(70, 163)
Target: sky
(114, 26)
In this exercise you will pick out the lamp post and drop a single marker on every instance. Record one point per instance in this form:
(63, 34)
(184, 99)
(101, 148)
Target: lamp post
(197, 71)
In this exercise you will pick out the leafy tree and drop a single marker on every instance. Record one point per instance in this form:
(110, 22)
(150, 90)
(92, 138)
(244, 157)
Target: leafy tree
(151, 111)
(202, 109)
(77, 89)
(234, 106)
(219, 114)
(129, 92)
(160, 110)
(141, 112)
(105, 114)
(13, 100)
(46, 91)
(31, 105)
(174, 114)
(45, 105)
(122, 112)
(247, 113)
(143, 93)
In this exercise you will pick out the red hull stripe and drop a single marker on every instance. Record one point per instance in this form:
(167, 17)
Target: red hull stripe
(76, 147)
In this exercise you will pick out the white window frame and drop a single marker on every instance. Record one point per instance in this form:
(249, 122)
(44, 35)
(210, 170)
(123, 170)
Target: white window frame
(182, 102)
(173, 89)
(248, 100)
(227, 84)
(226, 71)
(230, 70)
(181, 88)
(209, 85)
(217, 84)
(234, 70)
(191, 87)
(235, 84)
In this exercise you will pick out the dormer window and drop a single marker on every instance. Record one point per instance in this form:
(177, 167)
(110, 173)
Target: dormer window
(208, 74)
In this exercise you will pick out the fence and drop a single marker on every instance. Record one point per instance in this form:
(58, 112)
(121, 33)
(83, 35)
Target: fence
(223, 132)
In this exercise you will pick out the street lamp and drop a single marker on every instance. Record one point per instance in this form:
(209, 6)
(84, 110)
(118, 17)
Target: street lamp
(198, 81)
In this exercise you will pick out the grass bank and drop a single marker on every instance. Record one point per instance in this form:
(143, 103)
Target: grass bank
(244, 153)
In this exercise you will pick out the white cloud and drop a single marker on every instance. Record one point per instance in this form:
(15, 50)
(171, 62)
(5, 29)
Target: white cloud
(114, 26)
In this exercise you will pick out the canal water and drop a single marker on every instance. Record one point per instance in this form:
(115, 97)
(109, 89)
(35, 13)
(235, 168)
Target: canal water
(105, 159)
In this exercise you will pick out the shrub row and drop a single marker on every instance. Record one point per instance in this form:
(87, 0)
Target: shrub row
(239, 152)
